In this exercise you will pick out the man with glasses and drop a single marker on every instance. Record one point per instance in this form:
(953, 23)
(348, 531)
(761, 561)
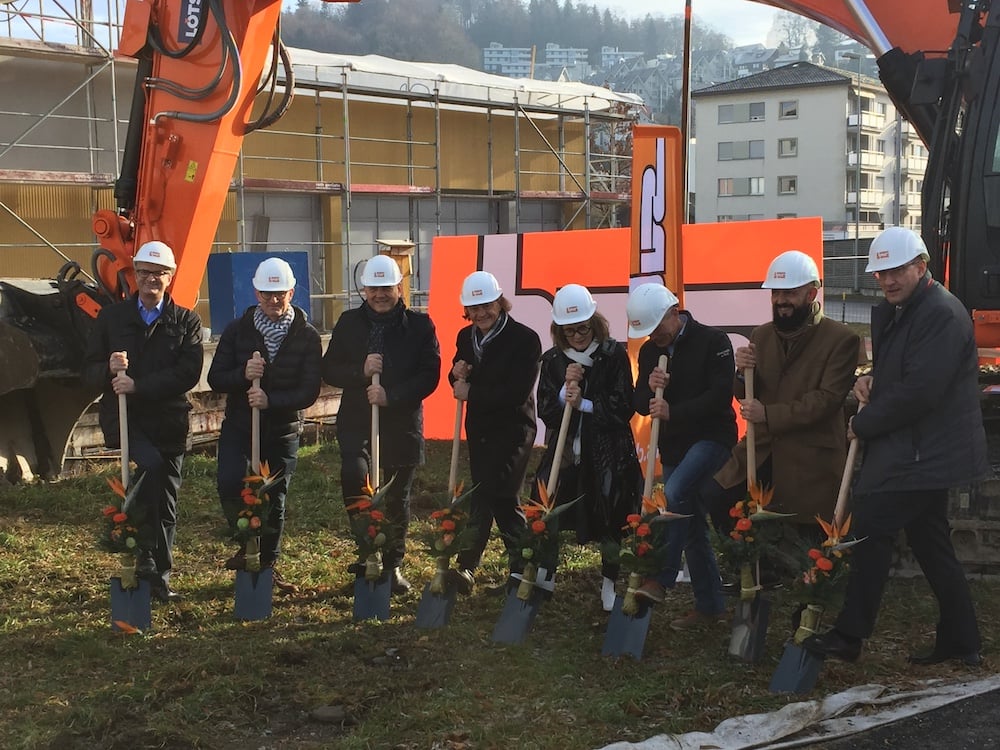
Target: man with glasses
(697, 433)
(149, 348)
(273, 342)
(922, 432)
(383, 337)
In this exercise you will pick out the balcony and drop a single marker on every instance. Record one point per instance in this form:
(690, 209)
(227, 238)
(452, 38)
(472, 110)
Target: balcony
(913, 164)
(871, 199)
(869, 121)
(869, 160)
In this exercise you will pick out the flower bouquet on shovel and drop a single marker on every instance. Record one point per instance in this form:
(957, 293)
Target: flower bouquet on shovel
(372, 531)
(120, 532)
(752, 536)
(824, 577)
(643, 546)
(251, 521)
(450, 533)
(539, 544)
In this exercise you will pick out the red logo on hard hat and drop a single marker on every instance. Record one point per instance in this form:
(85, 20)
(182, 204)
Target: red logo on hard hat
(274, 279)
(572, 309)
(635, 323)
(477, 292)
(779, 274)
(379, 274)
(155, 253)
(882, 255)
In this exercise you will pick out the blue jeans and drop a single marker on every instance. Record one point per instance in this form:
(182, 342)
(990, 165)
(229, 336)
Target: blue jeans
(690, 535)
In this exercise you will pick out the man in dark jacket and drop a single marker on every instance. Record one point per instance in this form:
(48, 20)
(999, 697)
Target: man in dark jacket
(697, 433)
(274, 342)
(923, 433)
(383, 337)
(149, 348)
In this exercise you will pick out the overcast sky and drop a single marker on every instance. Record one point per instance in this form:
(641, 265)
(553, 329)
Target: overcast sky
(742, 21)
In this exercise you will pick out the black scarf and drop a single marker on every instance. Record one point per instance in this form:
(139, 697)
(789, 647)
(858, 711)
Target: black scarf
(480, 339)
(379, 323)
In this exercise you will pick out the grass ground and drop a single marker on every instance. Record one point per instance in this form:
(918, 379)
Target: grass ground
(199, 679)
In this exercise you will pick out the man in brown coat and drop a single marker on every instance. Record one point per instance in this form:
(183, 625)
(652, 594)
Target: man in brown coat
(804, 367)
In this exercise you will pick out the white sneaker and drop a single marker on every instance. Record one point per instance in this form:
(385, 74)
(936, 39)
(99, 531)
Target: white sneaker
(608, 594)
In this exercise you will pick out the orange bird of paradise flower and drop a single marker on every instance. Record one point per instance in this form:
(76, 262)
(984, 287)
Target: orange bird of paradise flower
(117, 487)
(834, 533)
(265, 474)
(541, 507)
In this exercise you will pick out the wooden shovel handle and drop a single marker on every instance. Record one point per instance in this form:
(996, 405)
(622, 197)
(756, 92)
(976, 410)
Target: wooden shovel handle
(751, 444)
(376, 453)
(845, 480)
(456, 444)
(123, 436)
(550, 488)
(654, 436)
(255, 429)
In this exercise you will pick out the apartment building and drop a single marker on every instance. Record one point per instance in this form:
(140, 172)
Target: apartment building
(507, 61)
(807, 140)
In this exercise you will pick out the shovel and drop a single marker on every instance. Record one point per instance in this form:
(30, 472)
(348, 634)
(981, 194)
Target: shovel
(749, 633)
(434, 610)
(799, 669)
(129, 606)
(626, 634)
(371, 598)
(518, 614)
(254, 586)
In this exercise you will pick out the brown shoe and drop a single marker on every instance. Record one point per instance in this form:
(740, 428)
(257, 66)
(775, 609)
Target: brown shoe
(696, 619)
(651, 590)
(282, 585)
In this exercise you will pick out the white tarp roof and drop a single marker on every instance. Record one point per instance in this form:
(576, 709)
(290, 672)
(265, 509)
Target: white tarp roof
(375, 73)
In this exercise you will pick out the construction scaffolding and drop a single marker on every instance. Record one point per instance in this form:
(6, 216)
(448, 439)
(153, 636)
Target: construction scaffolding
(371, 148)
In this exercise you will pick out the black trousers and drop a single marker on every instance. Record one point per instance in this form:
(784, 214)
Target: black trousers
(156, 499)
(922, 514)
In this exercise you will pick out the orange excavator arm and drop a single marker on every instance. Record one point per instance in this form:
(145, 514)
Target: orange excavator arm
(200, 71)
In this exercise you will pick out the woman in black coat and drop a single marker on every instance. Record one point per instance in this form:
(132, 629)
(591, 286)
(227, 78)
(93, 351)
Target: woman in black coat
(494, 372)
(591, 372)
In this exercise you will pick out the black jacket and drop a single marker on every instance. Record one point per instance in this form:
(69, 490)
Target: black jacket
(500, 413)
(923, 428)
(609, 477)
(699, 392)
(291, 380)
(411, 369)
(165, 360)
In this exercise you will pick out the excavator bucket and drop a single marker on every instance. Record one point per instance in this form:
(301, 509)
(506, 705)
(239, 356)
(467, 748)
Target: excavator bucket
(43, 329)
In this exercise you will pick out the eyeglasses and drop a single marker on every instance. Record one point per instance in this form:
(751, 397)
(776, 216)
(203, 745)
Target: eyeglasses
(275, 296)
(577, 330)
(142, 273)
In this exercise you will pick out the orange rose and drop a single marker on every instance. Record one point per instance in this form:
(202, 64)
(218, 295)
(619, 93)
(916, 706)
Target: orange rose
(119, 518)
(372, 531)
(643, 548)
(736, 535)
(735, 512)
(110, 510)
(825, 564)
(538, 526)
(448, 525)
(643, 530)
(255, 523)
(376, 515)
(249, 499)
(815, 554)
(744, 524)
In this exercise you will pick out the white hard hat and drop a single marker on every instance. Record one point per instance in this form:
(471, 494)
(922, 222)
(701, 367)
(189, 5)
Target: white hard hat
(273, 275)
(646, 306)
(894, 247)
(381, 271)
(156, 252)
(479, 288)
(573, 304)
(790, 270)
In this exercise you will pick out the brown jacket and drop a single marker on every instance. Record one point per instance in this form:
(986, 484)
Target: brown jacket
(803, 392)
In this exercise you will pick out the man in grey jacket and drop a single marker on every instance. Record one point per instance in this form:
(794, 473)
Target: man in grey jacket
(923, 433)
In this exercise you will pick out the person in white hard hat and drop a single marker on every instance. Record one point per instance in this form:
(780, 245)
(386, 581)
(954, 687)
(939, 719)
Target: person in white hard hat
(697, 433)
(587, 369)
(922, 432)
(274, 341)
(383, 336)
(149, 348)
(494, 370)
(804, 367)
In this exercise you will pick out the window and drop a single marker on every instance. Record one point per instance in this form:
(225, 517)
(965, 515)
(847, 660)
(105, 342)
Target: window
(788, 185)
(880, 184)
(788, 110)
(732, 150)
(729, 186)
(788, 216)
(746, 112)
(788, 147)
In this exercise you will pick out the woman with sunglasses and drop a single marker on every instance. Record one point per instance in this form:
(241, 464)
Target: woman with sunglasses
(590, 371)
